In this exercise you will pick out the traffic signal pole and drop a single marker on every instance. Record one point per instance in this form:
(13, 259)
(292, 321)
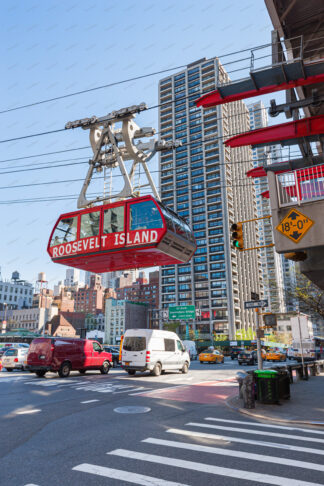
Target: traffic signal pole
(258, 339)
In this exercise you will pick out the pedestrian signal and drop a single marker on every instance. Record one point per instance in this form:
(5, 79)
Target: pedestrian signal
(237, 235)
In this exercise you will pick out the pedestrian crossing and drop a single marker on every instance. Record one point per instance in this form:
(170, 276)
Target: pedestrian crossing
(195, 454)
(85, 384)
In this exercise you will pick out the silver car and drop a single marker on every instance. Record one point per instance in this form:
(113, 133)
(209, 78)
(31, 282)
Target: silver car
(15, 358)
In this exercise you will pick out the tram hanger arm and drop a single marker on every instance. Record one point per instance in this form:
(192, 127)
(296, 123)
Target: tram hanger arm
(112, 117)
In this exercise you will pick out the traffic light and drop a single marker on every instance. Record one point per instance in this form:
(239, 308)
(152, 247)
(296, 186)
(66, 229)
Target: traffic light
(237, 235)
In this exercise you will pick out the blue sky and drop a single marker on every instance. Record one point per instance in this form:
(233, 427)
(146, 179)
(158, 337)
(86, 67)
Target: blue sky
(53, 48)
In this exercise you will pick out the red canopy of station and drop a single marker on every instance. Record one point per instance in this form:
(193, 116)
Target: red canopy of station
(306, 127)
(264, 81)
(260, 172)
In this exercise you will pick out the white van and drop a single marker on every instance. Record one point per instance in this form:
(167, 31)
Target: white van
(191, 348)
(153, 350)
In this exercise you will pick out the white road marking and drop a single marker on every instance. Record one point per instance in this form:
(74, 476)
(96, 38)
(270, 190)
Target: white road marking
(90, 401)
(228, 439)
(310, 431)
(257, 432)
(129, 477)
(127, 389)
(141, 392)
(210, 469)
(242, 455)
(23, 412)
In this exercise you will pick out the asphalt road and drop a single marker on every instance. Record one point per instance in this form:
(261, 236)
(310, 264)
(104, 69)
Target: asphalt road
(58, 432)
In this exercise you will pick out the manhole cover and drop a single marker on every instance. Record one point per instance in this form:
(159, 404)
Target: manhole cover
(132, 409)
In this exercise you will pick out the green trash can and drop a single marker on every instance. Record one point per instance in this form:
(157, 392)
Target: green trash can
(267, 386)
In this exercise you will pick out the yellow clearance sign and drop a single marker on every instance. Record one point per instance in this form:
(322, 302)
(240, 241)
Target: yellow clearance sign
(295, 225)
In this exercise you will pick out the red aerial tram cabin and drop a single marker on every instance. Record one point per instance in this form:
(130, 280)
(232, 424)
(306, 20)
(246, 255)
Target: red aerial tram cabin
(134, 233)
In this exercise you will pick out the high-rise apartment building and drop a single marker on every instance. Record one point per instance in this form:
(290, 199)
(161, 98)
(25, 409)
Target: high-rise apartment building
(72, 277)
(277, 274)
(205, 182)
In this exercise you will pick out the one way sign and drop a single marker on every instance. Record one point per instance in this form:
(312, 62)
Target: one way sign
(254, 304)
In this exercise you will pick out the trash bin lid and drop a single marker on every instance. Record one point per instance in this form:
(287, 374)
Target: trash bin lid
(266, 373)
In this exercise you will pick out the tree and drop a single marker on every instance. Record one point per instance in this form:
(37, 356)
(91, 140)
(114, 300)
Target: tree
(171, 326)
(310, 297)
(305, 296)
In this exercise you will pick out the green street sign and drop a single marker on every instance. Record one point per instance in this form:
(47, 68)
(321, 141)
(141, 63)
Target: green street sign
(182, 312)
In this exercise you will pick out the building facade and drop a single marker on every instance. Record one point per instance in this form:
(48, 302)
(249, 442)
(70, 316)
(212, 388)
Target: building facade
(72, 277)
(16, 293)
(142, 291)
(90, 298)
(204, 182)
(121, 315)
(32, 319)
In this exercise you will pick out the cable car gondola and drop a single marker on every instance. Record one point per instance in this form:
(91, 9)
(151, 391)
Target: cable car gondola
(135, 233)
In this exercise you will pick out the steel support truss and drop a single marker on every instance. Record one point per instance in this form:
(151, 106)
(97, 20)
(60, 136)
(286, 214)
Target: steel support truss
(113, 146)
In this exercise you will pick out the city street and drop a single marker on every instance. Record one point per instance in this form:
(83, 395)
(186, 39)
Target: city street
(67, 431)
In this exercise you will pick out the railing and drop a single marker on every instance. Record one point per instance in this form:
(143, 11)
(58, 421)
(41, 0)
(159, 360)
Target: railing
(300, 186)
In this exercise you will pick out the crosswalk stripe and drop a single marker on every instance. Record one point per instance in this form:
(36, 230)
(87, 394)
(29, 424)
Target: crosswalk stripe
(141, 392)
(257, 432)
(210, 469)
(242, 455)
(90, 401)
(284, 427)
(225, 438)
(129, 477)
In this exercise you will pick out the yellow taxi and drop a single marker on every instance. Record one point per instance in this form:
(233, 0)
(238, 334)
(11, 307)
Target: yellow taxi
(211, 357)
(276, 354)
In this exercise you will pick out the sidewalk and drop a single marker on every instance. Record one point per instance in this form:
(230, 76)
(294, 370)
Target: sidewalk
(306, 404)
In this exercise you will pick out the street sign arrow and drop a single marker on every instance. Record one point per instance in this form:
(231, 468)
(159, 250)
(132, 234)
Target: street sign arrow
(254, 304)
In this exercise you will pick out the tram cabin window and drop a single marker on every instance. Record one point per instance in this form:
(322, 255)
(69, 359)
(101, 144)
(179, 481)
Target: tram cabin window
(65, 231)
(145, 215)
(114, 220)
(168, 218)
(90, 224)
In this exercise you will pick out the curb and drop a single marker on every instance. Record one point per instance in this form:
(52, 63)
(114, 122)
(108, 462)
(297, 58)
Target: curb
(270, 419)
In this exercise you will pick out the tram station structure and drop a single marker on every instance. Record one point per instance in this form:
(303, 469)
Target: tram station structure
(296, 188)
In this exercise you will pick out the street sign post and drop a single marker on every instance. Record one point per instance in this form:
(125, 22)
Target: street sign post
(182, 312)
(255, 304)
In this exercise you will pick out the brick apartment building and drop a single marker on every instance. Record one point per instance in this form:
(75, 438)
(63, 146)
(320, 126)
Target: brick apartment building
(142, 290)
(89, 299)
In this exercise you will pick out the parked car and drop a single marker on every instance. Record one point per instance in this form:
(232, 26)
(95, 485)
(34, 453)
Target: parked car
(14, 358)
(276, 355)
(63, 355)
(211, 357)
(2, 351)
(291, 353)
(153, 350)
(235, 352)
(114, 350)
